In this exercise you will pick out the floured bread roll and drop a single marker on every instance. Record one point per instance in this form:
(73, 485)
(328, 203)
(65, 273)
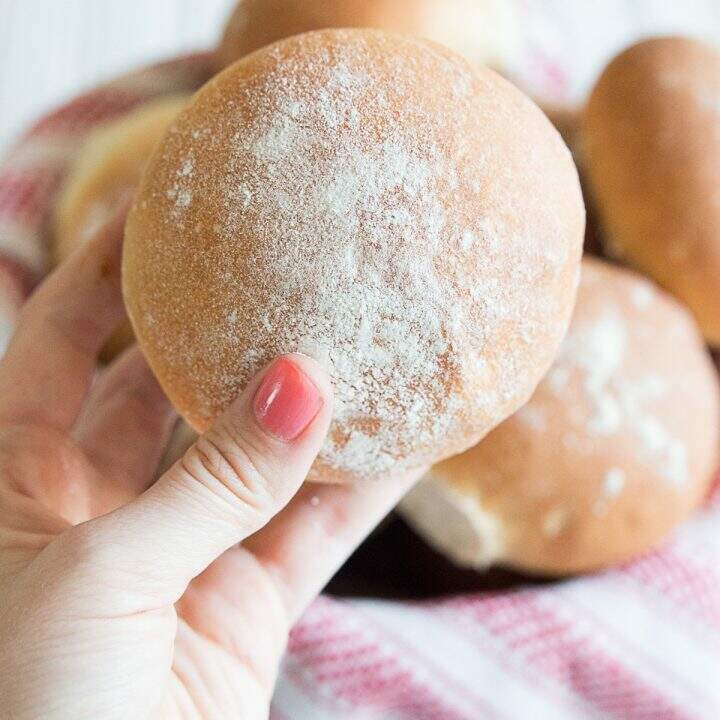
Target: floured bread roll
(483, 31)
(617, 446)
(651, 148)
(373, 201)
(105, 175)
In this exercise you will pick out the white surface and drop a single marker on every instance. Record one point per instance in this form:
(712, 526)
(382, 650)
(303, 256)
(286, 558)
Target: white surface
(51, 49)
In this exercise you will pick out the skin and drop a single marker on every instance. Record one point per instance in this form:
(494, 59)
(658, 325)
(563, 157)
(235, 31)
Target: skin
(121, 597)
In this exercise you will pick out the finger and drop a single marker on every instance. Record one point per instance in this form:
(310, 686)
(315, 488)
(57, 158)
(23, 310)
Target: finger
(125, 427)
(48, 365)
(230, 483)
(307, 543)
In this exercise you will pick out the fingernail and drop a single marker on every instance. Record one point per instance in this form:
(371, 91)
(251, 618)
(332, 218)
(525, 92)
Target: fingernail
(287, 401)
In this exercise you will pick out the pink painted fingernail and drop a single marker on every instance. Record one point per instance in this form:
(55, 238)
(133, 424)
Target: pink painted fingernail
(287, 401)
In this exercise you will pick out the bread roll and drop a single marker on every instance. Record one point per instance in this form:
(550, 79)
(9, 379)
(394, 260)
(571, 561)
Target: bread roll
(105, 174)
(484, 31)
(651, 143)
(373, 201)
(617, 446)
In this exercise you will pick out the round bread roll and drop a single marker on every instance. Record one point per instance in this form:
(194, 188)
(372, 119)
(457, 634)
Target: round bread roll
(105, 175)
(484, 31)
(372, 201)
(618, 445)
(651, 144)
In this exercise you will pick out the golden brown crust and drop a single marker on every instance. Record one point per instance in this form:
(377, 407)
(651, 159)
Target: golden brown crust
(651, 139)
(373, 201)
(481, 30)
(616, 448)
(105, 175)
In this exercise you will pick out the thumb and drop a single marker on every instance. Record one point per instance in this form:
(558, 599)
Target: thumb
(228, 485)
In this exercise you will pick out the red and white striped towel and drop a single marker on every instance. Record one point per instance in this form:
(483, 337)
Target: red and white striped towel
(641, 642)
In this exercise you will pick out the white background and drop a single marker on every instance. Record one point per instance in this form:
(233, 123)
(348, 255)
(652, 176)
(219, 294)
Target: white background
(51, 49)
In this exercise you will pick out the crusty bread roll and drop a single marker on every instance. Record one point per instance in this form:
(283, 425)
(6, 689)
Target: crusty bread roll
(651, 144)
(104, 175)
(375, 202)
(484, 31)
(617, 446)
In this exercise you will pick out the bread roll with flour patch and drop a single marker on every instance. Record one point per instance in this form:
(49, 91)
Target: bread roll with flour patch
(483, 31)
(103, 177)
(373, 201)
(651, 148)
(618, 445)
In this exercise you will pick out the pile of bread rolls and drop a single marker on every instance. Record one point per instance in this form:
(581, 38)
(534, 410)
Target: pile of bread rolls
(355, 184)
(619, 444)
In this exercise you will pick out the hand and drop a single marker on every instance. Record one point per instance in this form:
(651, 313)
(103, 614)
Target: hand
(124, 598)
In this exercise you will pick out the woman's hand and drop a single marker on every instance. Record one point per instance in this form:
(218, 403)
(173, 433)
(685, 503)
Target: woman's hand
(124, 598)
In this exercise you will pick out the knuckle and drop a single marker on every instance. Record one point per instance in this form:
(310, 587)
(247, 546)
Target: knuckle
(223, 464)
